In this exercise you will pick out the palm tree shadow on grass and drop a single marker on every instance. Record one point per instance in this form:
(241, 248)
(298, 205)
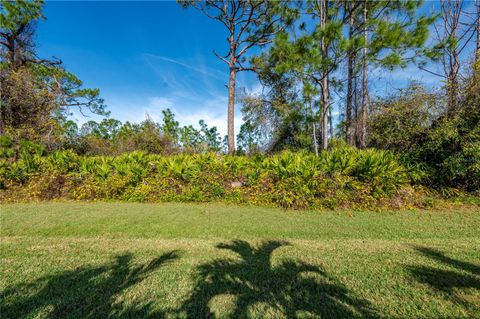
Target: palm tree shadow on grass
(447, 281)
(287, 287)
(87, 292)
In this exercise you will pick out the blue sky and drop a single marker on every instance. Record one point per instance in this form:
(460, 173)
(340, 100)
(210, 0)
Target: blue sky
(147, 56)
(144, 57)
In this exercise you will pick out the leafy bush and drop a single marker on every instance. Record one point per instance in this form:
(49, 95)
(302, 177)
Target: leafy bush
(343, 176)
(6, 147)
(439, 145)
(400, 121)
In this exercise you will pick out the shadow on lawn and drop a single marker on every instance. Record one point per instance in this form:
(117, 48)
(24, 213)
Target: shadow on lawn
(285, 288)
(448, 281)
(259, 287)
(87, 292)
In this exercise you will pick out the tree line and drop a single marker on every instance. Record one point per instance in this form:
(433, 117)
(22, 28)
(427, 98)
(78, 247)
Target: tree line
(112, 137)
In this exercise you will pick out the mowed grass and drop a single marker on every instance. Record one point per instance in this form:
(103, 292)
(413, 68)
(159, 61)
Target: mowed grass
(122, 260)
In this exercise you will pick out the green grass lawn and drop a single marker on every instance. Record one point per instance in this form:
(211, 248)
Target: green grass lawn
(121, 260)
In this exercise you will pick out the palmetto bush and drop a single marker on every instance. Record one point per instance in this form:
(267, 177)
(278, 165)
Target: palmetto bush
(381, 170)
(340, 177)
(63, 161)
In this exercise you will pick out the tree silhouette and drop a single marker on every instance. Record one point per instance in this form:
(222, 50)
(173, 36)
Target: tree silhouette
(87, 292)
(288, 287)
(448, 281)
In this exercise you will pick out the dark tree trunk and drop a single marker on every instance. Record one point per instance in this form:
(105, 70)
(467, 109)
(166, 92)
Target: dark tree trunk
(330, 121)
(452, 83)
(314, 128)
(363, 115)
(2, 121)
(454, 68)
(477, 51)
(350, 130)
(325, 106)
(324, 81)
(231, 110)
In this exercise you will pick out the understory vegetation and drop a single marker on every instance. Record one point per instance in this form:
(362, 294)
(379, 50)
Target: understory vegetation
(342, 177)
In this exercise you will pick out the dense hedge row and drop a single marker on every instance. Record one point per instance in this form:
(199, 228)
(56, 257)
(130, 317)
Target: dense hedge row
(343, 177)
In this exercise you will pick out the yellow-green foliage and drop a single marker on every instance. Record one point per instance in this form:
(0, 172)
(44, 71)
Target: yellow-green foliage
(342, 177)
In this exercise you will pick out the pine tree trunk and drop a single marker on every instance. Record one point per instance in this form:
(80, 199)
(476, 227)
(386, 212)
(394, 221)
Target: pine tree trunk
(2, 122)
(11, 54)
(3, 102)
(452, 85)
(350, 131)
(363, 116)
(325, 102)
(355, 105)
(231, 111)
(314, 129)
(324, 80)
(477, 51)
(330, 121)
(454, 69)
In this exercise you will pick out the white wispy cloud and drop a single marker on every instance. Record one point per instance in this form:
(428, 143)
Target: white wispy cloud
(190, 88)
(197, 67)
(212, 111)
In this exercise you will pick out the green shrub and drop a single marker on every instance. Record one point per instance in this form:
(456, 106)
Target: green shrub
(6, 147)
(439, 144)
(380, 170)
(341, 177)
